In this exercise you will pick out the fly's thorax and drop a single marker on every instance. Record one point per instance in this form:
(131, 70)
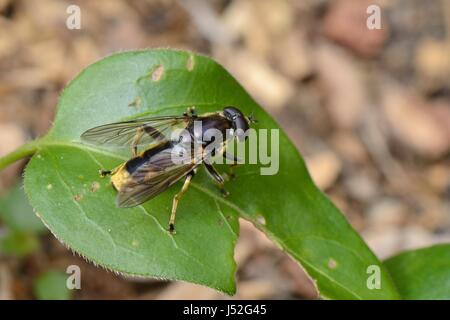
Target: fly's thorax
(207, 129)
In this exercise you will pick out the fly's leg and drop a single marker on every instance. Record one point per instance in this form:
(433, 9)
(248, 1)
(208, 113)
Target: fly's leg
(104, 173)
(235, 160)
(137, 138)
(190, 112)
(176, 199)
(232, 173)
(217, 177)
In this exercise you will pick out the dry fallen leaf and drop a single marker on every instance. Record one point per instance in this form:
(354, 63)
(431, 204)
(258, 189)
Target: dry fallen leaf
(411, 122)
(345, 23)
(187, 291)
(432, 62)
(342, 82)
(269, 87)
(324, 168)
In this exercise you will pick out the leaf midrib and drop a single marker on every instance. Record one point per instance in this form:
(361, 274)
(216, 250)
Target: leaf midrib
(112, 241)
(274, 238)
(231, 205)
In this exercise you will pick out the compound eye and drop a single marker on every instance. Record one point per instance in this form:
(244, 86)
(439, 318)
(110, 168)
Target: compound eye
(241, 128)
(231, 113)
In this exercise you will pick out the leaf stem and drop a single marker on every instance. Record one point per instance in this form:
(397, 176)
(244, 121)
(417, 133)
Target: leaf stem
(25, 150)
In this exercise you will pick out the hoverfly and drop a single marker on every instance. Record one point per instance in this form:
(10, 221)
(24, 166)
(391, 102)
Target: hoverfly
(153, 170)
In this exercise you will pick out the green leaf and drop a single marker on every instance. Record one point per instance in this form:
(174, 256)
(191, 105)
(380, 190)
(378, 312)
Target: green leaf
(18, 243)
(17, 213)
(62, 183)
(422, 274)
(51, 285)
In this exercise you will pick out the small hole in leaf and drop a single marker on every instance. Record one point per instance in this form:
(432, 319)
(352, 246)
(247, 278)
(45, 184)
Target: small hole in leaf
(95, 186)
(261, 220)
(190, 63)
(332, 264)
(77, 197)
(136, 102)
(157, 73)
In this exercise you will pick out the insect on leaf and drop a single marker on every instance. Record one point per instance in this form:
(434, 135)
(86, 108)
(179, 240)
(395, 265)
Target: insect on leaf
(78, 206)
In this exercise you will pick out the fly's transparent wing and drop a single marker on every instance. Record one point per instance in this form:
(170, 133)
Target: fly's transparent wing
(149, 130)
(155, 176)
(136, 194)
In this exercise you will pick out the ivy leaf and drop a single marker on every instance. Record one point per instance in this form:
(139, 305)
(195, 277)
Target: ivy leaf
(422, 274)
(18, 243)
(17, 213)
(51, 285)
(22, 226)
(63, 185)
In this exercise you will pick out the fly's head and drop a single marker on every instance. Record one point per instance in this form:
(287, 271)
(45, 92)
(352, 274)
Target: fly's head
(239, 122)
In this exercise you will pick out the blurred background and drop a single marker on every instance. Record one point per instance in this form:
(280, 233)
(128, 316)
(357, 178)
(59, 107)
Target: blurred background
(368, 109)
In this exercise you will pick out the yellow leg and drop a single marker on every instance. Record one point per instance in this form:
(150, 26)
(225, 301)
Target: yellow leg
(176, 199)
(236, 162)
(217, 177)
(190, 112)
(136, 140)
(231, 169)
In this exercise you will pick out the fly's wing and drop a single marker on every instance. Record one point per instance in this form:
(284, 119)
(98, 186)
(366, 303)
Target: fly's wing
(151, 130)
(152, 178)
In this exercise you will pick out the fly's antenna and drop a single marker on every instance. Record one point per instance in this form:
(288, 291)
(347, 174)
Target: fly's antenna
(251, 118)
